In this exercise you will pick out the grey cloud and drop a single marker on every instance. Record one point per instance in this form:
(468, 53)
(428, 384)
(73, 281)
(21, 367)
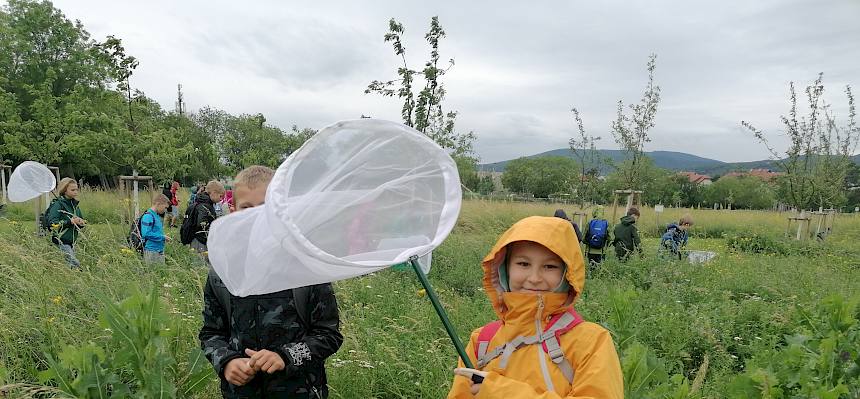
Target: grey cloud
(519, 69)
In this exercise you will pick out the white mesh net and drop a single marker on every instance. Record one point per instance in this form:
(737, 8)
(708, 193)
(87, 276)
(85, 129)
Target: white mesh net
(359, 196)
(29, 180)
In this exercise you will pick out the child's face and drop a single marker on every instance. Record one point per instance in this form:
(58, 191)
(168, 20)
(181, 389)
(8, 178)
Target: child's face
(533, 268)
(249, 197)
(215, 197)
(72, 191)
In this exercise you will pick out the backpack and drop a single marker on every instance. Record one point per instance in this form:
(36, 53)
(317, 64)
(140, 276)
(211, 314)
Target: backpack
(44, 222)
(135, 236)
(598, 230)
(548, 339)
(189, 225)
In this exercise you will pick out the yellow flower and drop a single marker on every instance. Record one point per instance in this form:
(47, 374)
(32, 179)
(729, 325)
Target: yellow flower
(421, 293)
(51, 320)
(126, 251)
(57, 299)
(13, 223)
(55, 226)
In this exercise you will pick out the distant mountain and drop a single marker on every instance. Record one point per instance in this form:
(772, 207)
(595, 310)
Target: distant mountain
(665, 159)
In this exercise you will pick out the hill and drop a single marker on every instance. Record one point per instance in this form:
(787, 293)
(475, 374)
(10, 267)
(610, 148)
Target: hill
(665, 159)
(671, 160)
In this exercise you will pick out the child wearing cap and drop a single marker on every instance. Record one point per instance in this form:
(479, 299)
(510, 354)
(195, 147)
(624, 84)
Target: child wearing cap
(272, 345)
(540, 347)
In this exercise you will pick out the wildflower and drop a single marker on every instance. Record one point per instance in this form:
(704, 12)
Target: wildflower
(55, 226)
(51, 320)
(57, 300)
(13, 222)
(421, 293)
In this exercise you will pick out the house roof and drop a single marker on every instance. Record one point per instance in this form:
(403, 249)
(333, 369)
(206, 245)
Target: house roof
(694, 177)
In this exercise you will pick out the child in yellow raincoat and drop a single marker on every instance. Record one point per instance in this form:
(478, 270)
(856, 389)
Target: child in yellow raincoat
(540, 347)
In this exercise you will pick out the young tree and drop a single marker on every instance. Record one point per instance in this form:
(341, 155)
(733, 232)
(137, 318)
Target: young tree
(584, 149)
(819, 153)
(631, 131)
(424, 112)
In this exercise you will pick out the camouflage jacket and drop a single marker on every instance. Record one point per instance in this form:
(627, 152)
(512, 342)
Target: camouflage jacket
(271, 322)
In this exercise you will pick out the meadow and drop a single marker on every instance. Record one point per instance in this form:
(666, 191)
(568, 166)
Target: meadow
(768, 317)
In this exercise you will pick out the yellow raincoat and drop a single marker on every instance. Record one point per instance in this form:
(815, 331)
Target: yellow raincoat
(530, 373)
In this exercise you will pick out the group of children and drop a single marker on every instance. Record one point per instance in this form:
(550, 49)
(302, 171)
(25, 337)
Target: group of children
(625, 236)
(275, 345)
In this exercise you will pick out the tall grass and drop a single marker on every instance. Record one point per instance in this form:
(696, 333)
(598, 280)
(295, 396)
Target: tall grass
(728, 310)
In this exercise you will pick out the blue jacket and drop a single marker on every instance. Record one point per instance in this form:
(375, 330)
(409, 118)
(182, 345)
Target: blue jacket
(674, 238)
(152, 231)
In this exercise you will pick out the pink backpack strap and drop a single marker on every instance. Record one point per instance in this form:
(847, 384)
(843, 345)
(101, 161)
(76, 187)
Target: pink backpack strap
(485, 335)
(562, 323)
(551, 340)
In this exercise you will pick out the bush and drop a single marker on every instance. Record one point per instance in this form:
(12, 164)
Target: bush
(820, 361)
(135, 361)
(757, 244)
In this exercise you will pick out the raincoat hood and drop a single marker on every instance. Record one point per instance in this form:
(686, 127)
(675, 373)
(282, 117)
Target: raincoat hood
(628, 220)
(554, 233)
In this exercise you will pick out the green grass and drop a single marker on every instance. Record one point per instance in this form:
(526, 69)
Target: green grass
(730, 309)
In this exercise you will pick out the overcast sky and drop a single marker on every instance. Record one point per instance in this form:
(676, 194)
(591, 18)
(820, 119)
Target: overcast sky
(520, 66)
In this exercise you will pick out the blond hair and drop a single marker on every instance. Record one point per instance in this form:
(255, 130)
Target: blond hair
(160, 199)
(64, 184)
(686, 219)
(254, 176)
(214, 186)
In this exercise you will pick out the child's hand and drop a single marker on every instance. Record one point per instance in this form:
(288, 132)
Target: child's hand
(476, 377)
(238, 372)
(265, 360)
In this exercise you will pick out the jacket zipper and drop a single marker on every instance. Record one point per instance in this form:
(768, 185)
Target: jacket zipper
(542, 356)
